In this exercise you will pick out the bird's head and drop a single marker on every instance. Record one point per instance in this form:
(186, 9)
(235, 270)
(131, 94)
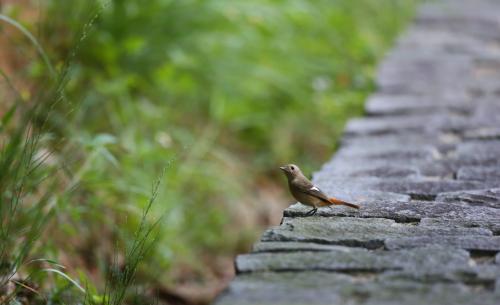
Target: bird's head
(291, 170)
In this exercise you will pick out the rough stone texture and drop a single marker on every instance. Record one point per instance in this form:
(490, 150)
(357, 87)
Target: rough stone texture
(424, 166)
(326, 288)
(481, 173)
(370, 233)
(470, 242)
(277, 246)
(487, 198)
(435, 261)
(384, 104)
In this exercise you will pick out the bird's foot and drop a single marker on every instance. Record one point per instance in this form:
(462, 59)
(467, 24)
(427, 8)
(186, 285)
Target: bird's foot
(312, 212)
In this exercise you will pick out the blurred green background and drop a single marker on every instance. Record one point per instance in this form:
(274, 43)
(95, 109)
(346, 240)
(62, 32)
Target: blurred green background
(217, 92)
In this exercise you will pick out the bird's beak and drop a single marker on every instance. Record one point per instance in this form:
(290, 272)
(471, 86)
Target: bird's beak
(283, 168)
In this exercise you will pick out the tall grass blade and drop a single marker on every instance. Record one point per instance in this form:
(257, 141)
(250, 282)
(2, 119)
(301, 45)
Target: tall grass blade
(72, 281)
(33, 40)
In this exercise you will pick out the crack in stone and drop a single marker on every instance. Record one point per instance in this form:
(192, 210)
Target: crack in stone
(356, 272)
(398, 219)
(422, 197)
(482, 257)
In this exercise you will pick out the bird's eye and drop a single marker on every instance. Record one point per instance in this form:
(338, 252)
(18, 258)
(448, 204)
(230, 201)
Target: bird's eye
(292, 168)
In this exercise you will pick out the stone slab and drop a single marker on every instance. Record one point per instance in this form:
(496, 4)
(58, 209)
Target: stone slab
(379, 104)
(479, 173)
(417, 188)
(475, 243)
(428, 261)
(326, 288)
(273, 246)
(441, 213)
(486, 198)
(370, 233)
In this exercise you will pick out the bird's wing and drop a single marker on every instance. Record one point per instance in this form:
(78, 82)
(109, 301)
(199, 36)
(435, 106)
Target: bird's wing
(311, 189)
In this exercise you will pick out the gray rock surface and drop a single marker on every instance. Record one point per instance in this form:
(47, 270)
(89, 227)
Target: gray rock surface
(487, 198)
(370, 233)
(326, 288)
(424, 166)
(480, 173)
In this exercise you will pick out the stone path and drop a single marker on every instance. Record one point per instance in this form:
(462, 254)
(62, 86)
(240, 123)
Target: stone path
(424, 164)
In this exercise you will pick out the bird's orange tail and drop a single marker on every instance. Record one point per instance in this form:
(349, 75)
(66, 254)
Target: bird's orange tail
(341, 202)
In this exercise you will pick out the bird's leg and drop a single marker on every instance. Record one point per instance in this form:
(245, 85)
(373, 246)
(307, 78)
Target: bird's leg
(309, 212)
(312, 212)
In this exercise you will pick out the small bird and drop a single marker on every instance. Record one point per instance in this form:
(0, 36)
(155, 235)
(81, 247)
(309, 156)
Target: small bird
(307, 193)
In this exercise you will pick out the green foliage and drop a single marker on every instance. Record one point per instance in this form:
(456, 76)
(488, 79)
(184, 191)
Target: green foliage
(28, 188)
(220, 92)
(119, 281)
(33, 189)
(226, 87)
